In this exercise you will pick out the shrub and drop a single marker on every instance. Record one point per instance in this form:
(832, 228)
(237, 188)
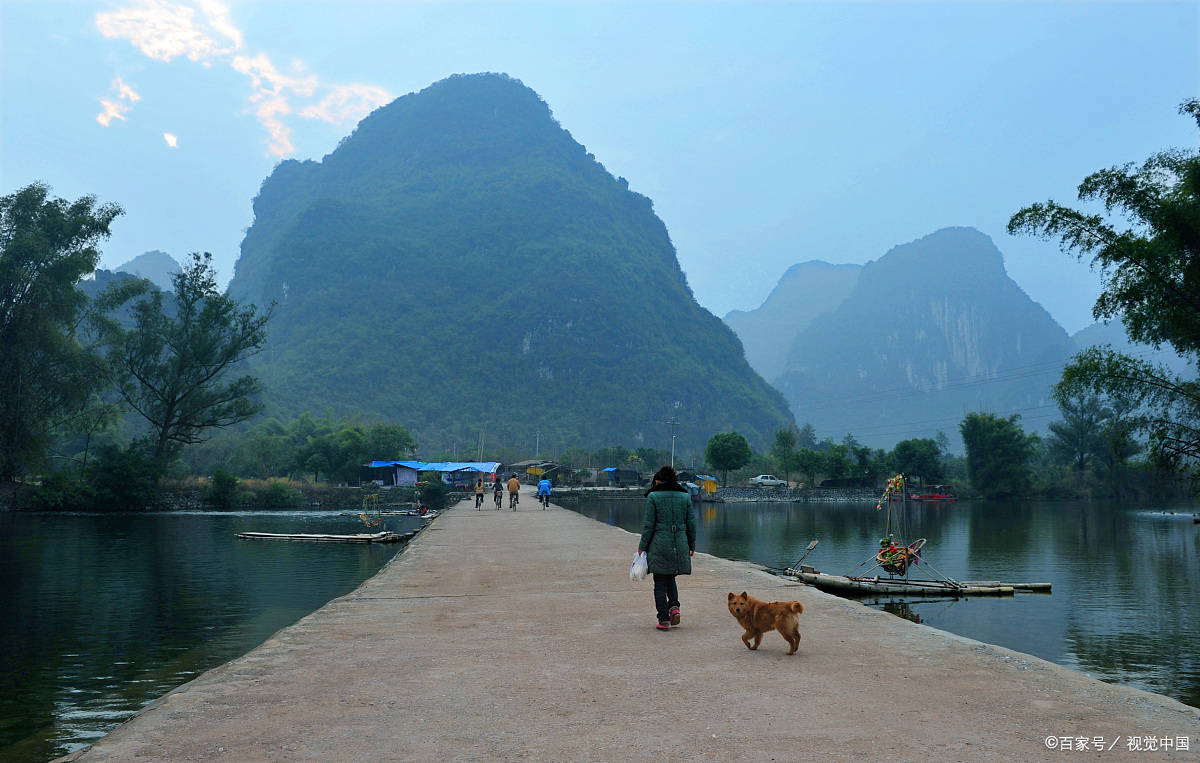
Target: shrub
(432, 492)
(279, 495)
(222, 489)
(59, 491)
(124, 478)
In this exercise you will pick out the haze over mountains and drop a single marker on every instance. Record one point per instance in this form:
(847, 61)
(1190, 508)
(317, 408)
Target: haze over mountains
(932, 330)
(461, 265)
(157, 267)
(804, 292)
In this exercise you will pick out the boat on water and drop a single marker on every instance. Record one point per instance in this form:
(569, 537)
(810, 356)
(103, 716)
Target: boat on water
(897, 560)
(932, 494)
(387, 536)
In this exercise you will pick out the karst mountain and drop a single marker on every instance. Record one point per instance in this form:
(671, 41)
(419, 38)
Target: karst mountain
(930, 331)
(461, 265)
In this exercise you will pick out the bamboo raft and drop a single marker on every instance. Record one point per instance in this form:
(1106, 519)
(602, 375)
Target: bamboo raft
(844, 584)
(381, 537)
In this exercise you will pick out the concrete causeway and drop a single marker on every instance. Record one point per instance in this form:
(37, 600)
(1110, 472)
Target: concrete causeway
(499, 635)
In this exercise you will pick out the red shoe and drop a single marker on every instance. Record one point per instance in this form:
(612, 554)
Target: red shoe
(674, 615)
(663, 625)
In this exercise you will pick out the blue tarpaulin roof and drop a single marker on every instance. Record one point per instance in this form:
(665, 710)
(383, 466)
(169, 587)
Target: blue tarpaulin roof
(442, 466)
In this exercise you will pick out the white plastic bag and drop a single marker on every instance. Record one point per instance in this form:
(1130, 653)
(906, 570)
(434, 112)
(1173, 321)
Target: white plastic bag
(637, 570)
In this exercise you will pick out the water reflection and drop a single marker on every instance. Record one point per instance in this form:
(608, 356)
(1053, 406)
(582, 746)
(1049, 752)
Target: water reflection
(104, 613)
(1126, 579)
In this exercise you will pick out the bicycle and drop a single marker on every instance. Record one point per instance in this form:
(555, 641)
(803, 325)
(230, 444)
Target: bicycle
(499, 496)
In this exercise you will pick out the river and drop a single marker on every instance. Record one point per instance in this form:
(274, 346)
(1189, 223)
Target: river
(1125, 606)
(104, 613)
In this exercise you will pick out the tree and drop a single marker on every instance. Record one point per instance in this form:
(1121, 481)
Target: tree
(783, 450)
(806, 437)
(388, 441)
(726, 451)
(1078, 438)
(614, 455)
(836, 461)
(1151, 270)
(998, 453)
(810, 462)
(921, 456)
(46, 375)
(174, 366)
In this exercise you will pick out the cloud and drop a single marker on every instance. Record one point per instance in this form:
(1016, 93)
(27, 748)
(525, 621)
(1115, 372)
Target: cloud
(115, 109)
(112, 110)
(346, 104)
(125, 91)
(203, 31)
(171, 140)
(163, 30)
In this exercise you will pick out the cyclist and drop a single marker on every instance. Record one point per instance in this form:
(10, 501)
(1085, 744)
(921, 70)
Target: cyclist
(514, 492)
(498, 492)
(544, 492)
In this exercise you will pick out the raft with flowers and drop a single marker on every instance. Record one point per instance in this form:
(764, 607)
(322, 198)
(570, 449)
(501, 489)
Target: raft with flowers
(899, 559)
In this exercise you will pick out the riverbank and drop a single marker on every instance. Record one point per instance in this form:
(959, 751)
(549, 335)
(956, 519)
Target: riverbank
(501, 634)
(192, 494)
(734, 494)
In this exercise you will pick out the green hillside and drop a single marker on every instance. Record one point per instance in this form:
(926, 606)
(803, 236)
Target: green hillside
(459, 263)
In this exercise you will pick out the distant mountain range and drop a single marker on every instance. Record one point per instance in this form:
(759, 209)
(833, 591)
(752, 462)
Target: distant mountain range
(932, 330)
(462, 266)
(804, 292)
(157, 267)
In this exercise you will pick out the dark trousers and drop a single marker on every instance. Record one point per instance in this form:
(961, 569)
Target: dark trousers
(666, 596)
(478, 500)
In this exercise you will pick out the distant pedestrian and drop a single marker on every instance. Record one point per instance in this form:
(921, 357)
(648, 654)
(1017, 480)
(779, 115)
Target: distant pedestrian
(514, 492)
(668, 528)
(544, 492)
(479, 493)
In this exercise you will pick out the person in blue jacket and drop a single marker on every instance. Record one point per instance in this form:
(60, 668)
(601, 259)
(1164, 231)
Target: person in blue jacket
(544, 492)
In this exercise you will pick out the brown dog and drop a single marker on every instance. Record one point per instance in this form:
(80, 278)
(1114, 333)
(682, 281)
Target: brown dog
(759, 617)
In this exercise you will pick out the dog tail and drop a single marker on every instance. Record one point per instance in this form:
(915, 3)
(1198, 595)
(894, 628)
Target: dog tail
(797, 607)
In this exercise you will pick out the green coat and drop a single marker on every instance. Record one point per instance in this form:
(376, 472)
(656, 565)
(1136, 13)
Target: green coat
(668, 533)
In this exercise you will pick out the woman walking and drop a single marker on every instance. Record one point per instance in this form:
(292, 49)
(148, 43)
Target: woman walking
(668, 531)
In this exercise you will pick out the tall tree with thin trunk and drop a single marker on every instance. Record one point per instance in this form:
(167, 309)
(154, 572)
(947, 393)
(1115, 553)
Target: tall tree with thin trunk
(177, 365)
(46, 375)
(1150, 261)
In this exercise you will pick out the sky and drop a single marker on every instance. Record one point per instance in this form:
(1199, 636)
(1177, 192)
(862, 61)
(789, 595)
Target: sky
(766, 134)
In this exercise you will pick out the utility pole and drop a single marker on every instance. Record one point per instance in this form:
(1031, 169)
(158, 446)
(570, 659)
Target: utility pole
(480, 445)
(673, 422)
(537, 448)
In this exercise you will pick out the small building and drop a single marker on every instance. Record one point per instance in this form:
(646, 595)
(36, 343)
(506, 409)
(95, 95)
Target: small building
(454, 473)
(613, 477)
(534, 469)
